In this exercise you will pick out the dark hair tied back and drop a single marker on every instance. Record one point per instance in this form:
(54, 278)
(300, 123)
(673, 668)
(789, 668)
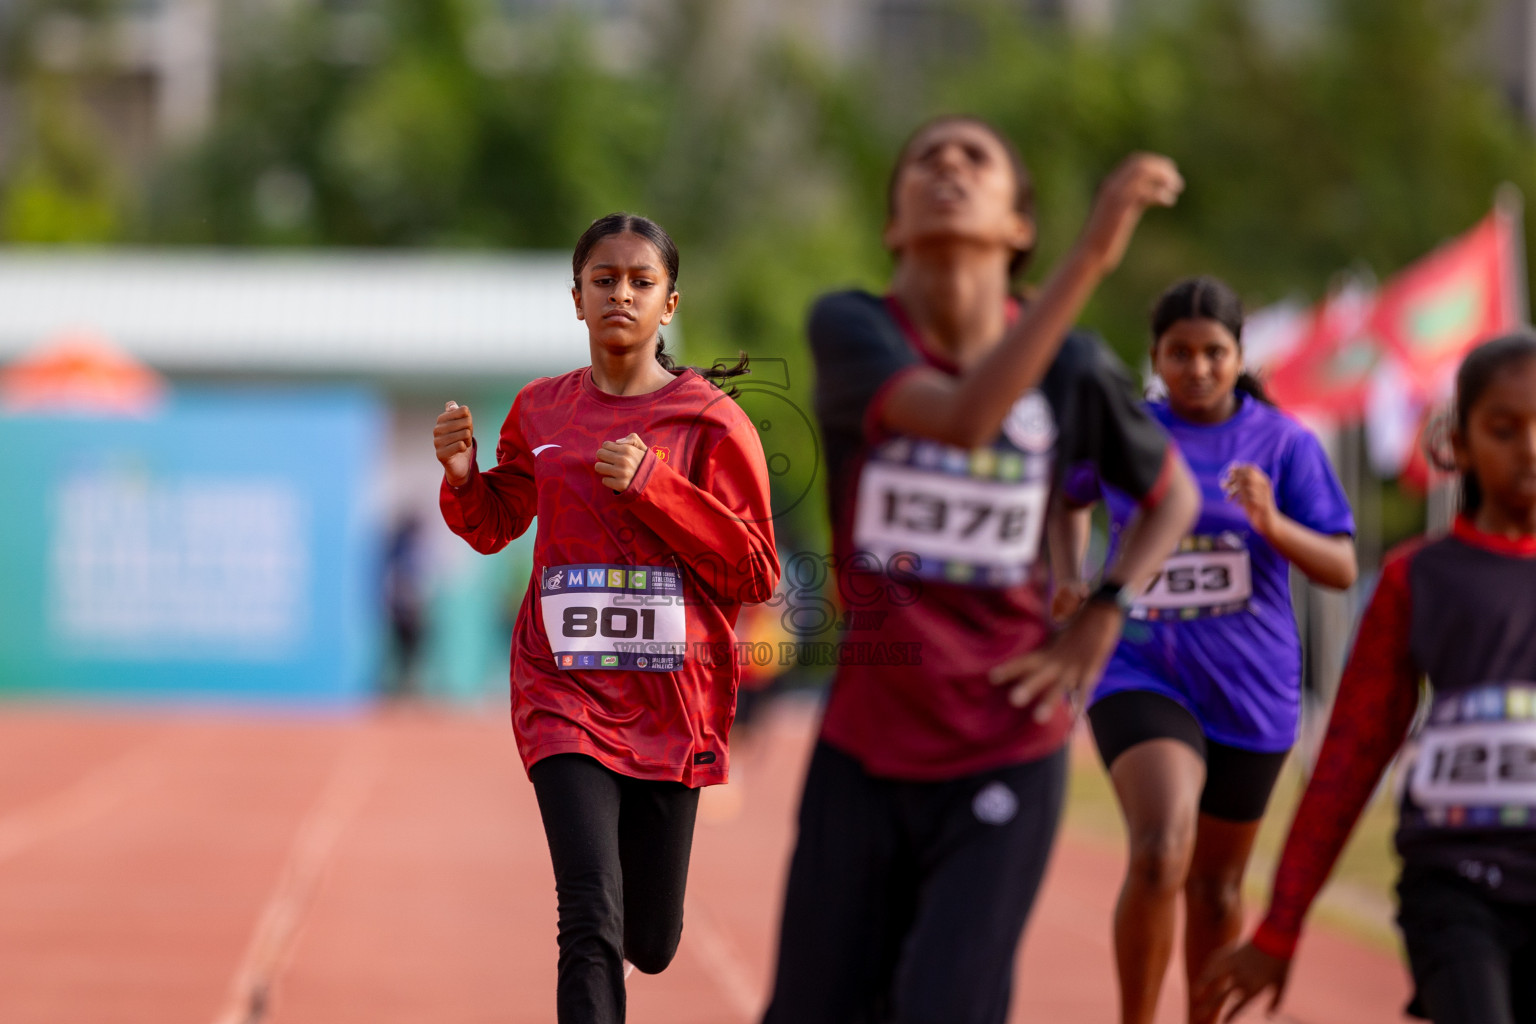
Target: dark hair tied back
(1479, 369)
(1206, 298)
(1251, 386)
(644, 227)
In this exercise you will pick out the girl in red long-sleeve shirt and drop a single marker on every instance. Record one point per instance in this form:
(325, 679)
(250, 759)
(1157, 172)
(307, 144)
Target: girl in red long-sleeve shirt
(651, 494)
(1460, 610)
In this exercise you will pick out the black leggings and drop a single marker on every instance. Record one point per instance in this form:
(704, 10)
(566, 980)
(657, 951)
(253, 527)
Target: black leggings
(906, 900)
(1473, 957)
(1237, 782)
(620, 849)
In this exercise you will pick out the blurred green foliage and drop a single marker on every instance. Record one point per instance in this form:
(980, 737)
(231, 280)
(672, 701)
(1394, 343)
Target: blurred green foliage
(443, 123)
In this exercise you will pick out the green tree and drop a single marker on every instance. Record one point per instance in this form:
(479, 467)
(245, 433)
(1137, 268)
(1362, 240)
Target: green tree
(443, 123)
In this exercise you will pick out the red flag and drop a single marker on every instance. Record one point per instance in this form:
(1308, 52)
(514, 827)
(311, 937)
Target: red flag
(1328, 373)
(1461, 294)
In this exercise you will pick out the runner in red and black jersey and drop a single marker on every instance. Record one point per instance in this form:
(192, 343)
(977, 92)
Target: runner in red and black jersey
(651, 493)
(1460, 610)
(932, 797)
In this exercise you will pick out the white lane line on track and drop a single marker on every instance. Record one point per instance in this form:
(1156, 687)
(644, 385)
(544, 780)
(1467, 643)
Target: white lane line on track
(282, 916)
(709, 944)
(78, 803)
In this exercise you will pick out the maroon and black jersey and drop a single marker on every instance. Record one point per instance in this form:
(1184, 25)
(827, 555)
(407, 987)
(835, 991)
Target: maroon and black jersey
(1460, 610)
(938, 549)
(622, 648)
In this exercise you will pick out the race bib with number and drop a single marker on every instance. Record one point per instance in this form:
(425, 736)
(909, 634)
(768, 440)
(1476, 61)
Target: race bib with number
(1476, 760)
(971, 517)
(614, 617)
(1205, 576)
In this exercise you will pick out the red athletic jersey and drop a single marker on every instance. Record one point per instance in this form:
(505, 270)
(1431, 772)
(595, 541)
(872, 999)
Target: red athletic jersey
(1460, 610)
(937, 548)
(697, 512)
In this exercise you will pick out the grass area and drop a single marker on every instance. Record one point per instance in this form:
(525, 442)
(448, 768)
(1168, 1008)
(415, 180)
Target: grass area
(1359, 897)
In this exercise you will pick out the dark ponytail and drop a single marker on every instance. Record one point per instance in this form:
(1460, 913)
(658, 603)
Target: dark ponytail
(1477, 371)
(1207, 298)
(714, 373)
(634, 224)
(1251, 386)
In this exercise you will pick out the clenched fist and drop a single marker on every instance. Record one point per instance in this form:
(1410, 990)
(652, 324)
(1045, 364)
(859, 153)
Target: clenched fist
(1142, 180)
(1247, 486)
(618, 460)
(454, 437)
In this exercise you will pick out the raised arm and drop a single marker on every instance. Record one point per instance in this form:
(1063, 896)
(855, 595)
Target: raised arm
(969, 409)
(490, 509)
(1304, 514)
(1326, 559)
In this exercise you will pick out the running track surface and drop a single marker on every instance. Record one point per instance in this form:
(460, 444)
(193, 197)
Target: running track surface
(181, 868)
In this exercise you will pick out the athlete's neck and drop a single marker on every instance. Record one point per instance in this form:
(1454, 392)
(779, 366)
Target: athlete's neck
(635, 372)
(1509, 523)
(1209, 416)
(956, 297)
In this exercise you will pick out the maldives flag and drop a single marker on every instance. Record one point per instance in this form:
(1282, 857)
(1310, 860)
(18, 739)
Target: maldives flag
(1461, 294)
(1327, 372)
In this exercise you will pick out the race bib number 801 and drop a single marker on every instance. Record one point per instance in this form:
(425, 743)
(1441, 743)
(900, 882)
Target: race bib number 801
(614, 617)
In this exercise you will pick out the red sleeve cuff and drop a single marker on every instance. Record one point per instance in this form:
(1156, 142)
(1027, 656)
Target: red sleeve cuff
(474, 470)
(1164, 479)
(463, 506)
(1271, 941)
(648, 464)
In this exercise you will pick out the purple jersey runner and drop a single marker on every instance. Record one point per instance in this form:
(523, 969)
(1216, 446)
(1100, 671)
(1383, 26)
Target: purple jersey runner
(1215, 630)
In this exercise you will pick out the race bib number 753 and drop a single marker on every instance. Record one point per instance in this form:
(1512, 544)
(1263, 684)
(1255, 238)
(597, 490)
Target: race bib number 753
(614, 617)
(1206, 576)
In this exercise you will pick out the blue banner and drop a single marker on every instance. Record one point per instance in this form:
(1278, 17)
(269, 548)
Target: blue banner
(224, 549)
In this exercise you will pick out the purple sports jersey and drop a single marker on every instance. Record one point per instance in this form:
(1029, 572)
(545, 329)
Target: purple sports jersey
(1215, 630)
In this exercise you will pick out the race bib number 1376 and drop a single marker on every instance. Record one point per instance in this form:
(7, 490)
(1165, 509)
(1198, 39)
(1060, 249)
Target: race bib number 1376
(967, 517)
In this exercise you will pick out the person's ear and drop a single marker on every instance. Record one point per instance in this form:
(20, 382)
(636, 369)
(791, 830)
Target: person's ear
(671, 307)
(1021, 232)
(1460, 453)
(888, 236)
(576, 298)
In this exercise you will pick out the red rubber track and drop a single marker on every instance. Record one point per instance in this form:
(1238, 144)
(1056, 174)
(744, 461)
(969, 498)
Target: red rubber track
(195, 868)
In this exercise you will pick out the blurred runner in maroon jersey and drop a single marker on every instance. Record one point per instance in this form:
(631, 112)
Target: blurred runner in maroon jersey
(949, 410)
